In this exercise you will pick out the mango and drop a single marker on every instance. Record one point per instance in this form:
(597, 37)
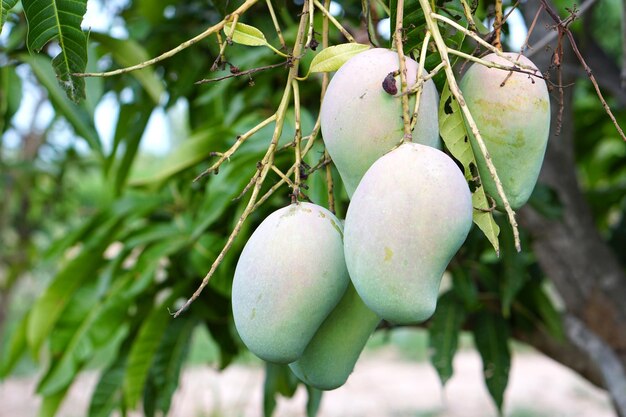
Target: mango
(408, 217)
(361, 121)
(329, 359)
(289, 277)
(514, 122)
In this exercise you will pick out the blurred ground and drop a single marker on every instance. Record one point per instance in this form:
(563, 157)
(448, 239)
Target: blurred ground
(385, 384)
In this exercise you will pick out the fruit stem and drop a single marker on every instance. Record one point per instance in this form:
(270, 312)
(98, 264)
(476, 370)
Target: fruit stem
(276, 25)
(297, 140)
(497, 25)
(456, 92)
(408, 137)
(325, 81)
(419, 87)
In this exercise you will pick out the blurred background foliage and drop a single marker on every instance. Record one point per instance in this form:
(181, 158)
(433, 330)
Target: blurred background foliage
(104, 234)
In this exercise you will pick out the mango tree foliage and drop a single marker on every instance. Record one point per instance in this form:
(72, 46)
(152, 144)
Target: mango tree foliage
(124, 237)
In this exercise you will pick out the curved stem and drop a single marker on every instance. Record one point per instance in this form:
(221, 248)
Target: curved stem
(334, 21)
(213, 29)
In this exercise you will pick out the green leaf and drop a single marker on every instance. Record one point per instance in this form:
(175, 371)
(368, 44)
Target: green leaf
(100, 322)
(47, 309)
(60, 20)
(542, 305)
(245, 34)
(278, 380)
(515, 271)
(454, 134)
(10, 95)
(127, 52)
(333, 57)
(168, 363)
(131, 123)
(108, 393)
(444, 334)
(491, 335)
(14, 349)
(5, 7)
(50, 404)
(77, 116)
(143, 350)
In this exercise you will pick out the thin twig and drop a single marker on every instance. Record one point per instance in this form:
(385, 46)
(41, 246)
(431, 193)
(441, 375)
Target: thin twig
(334, 21)
(284, 177)
(242, 73)
(516, 67)
(223, 45)
(420, 80)
(307, 148)
(240, 140)
(213, 29)
(467, 10)
(276, 25)
(562, 24)
(298, 138)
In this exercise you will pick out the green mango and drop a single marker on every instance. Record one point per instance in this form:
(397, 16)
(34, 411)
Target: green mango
(409, 215)
(329, 359)
(513, 120)
(289, 277)
(361, 121)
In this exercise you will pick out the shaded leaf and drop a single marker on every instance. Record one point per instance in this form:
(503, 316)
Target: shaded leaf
(444, 334)
(77, 116)
(108, 392)
(143, 350)
(10, 95)
(537, 299)
(456, 137)
(491, 335)
(5, 7)
(514, 273)
(245, 34)
(167, 365)
(51, 403)
(60, 20)
(278, 380)
(131, 123)
(333, 57)
(15, 348)
(99, 323)
(126, 53)
(49, 306)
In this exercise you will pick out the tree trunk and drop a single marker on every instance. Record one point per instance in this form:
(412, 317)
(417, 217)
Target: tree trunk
(571, 251)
